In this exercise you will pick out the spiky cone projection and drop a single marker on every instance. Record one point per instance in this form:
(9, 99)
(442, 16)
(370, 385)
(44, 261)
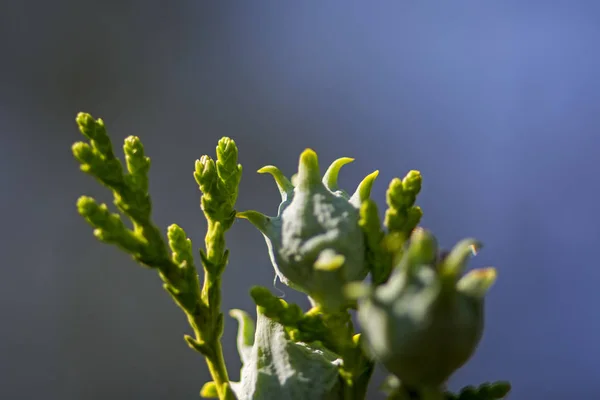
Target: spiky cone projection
(427, 320)
(315, 242)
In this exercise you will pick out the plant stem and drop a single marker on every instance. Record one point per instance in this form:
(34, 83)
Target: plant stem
(218, 371)
(357, 369)
(211, 296)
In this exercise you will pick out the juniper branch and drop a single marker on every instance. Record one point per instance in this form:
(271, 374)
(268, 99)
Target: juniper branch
(174, 262)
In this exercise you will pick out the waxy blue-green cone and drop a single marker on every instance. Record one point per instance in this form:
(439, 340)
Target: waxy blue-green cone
(277, 368)
(315, 242)
(426, 322)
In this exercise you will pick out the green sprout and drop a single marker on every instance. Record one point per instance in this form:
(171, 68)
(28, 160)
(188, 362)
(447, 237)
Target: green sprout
(421, 318)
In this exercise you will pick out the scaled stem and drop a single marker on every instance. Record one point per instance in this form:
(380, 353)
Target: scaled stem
(219, 183)
(357, 369)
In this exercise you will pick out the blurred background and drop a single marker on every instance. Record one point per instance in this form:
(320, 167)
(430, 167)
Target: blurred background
(496, 103)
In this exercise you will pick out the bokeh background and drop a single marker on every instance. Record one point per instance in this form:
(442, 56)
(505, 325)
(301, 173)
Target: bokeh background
(496, 103)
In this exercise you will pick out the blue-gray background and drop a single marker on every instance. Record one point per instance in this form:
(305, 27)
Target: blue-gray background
(496, 102)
